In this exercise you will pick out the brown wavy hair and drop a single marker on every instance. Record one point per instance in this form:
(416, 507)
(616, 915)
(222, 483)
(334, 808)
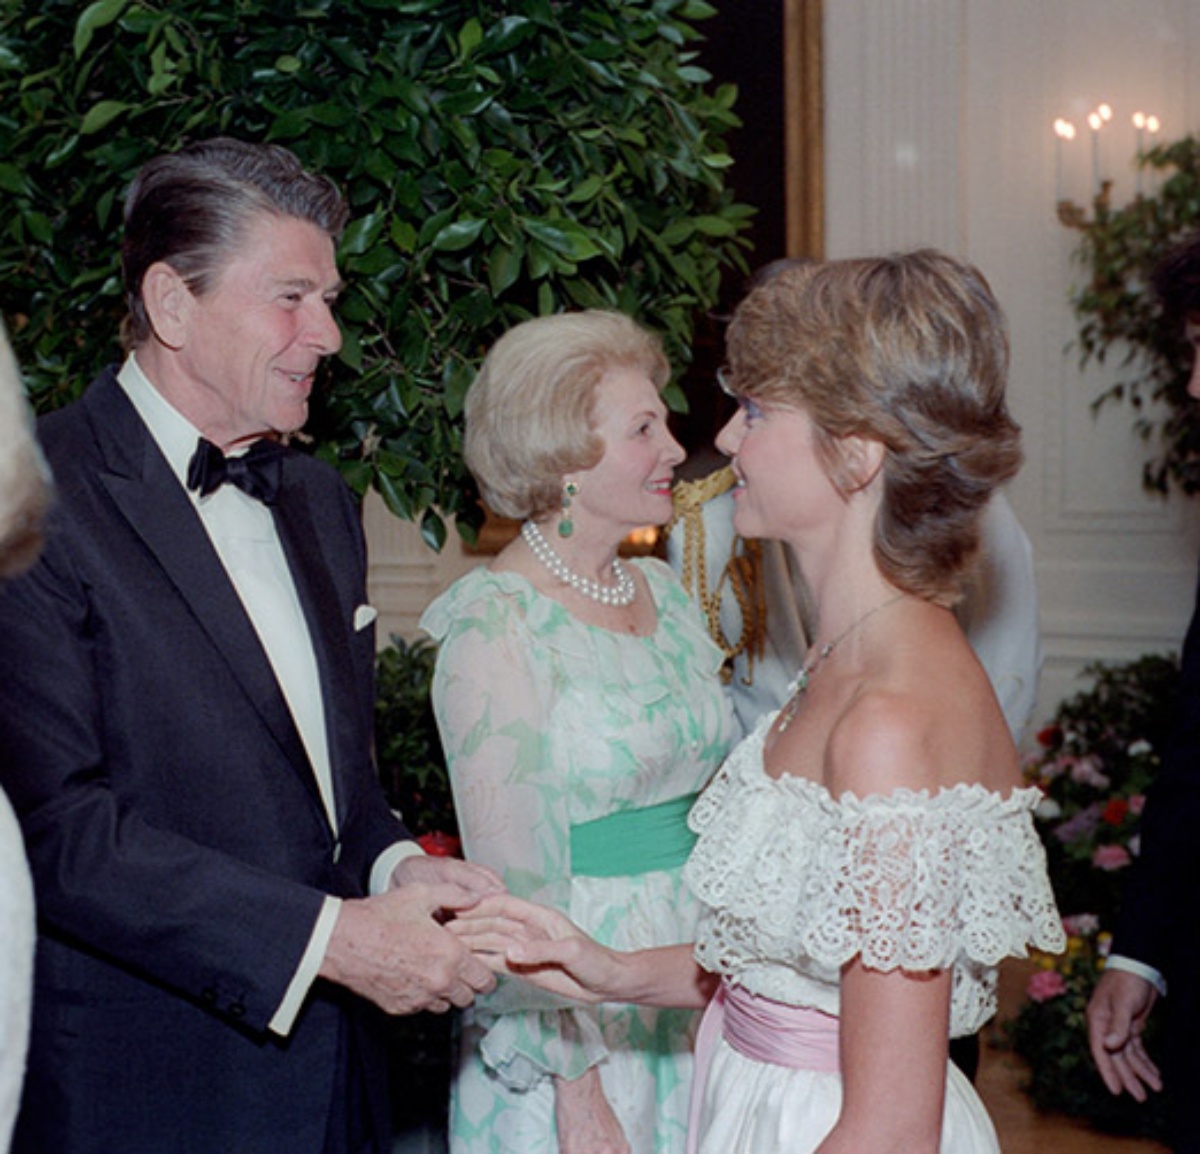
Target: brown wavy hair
(911, 351)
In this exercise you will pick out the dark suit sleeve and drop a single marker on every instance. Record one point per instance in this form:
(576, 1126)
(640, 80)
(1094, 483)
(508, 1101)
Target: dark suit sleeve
(1159, 907)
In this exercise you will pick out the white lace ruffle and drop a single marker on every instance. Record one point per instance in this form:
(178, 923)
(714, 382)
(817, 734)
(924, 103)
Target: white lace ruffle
(797, 883)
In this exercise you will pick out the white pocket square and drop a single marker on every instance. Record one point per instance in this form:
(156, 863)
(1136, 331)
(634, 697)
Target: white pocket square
(363, 616)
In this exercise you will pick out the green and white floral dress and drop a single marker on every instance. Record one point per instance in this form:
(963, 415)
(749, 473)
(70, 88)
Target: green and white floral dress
(574, 754)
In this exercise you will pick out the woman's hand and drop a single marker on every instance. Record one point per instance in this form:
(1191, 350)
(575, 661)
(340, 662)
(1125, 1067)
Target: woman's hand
(585, 1119)
(547, 949)
(541, 946)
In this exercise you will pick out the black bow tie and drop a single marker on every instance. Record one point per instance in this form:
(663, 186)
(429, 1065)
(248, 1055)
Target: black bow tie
(256, 473)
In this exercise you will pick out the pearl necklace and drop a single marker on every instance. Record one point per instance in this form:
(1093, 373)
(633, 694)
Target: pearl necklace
(788, 713)
(620, 594)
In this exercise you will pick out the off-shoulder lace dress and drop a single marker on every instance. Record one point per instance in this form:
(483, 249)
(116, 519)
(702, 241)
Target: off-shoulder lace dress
(548, 723)
(796, 883)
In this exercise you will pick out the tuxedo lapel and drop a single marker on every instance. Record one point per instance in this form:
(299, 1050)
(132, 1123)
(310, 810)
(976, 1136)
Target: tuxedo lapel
(324, 615)
(149, 496)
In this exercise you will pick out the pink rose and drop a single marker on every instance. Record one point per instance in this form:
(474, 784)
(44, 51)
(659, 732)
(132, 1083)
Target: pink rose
(1080, 924)
(1087, 771)
(1111, 857)
(1137, 803)
(1046, 984)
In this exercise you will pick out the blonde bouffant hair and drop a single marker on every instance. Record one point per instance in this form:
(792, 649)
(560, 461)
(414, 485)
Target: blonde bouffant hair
(910, 351)
(529, 412)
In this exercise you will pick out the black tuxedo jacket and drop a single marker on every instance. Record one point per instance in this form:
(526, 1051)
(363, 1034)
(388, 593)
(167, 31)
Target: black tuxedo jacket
(178, 842)
(1160, 902)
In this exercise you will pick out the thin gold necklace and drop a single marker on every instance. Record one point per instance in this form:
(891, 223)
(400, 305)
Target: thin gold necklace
(788, 713)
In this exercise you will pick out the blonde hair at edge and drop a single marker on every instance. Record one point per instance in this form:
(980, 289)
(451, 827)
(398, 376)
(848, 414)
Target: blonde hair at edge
(529, 412)
(908, 350)
(24, 478)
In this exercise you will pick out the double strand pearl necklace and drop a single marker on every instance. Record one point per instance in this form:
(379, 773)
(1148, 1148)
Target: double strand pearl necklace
(788, 713)
(620, 593)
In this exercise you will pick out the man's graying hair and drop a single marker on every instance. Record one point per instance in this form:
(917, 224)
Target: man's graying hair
(191, 209)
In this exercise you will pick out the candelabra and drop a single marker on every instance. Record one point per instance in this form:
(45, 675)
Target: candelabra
(1070, 213)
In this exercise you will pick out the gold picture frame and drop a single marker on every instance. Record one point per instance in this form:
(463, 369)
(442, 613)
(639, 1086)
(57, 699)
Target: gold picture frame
(804, 128)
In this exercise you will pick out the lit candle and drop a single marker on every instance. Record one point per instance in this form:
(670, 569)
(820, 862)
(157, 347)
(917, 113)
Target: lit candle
(1095, 123)
(1139, 124)
(1063, 130)
(1153, 124)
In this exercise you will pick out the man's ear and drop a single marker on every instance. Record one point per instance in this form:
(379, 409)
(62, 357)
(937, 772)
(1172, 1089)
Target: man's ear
(862, 458)
(169, 304)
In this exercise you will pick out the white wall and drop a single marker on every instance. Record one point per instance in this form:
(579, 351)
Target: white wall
(938, 131)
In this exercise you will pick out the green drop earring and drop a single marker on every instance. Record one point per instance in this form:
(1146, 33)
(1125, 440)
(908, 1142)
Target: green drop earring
(565, 525)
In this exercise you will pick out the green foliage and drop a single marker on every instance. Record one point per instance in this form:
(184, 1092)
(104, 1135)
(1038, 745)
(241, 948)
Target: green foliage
(503, 158)
(1095, 761)
(408, 749)
(1118, 313)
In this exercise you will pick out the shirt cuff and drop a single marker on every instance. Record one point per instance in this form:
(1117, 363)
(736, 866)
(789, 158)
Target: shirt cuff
(306, 972)
(381, 871)
(1140, 969)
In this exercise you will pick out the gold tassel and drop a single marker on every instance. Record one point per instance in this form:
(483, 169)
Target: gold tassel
(742, 573)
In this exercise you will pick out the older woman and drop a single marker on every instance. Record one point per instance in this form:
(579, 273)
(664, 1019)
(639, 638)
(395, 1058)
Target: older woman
(580, 709)
(867, 855)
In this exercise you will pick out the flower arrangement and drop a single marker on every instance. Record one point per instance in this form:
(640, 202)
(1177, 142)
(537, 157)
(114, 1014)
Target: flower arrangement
(1093, 764)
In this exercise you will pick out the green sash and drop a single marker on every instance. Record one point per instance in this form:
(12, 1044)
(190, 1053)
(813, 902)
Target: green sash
(633, 841)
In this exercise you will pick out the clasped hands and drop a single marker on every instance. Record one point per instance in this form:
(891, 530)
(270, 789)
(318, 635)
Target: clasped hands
(543, 947)
(396, 949)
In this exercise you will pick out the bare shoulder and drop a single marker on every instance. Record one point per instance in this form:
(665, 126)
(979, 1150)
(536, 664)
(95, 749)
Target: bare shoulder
(883, 741)
(929, 736)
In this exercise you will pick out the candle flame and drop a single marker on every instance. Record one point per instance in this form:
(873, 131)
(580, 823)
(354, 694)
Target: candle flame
(1153, 124)
(1139, 120)
(1094, 121)
(1105, 112)
(1064, 129)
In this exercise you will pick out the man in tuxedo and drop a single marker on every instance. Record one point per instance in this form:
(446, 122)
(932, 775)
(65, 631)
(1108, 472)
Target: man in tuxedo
(226, 902)
(1156, 947)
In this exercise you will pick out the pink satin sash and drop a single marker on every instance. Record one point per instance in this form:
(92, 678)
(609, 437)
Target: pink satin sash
(765, 1031)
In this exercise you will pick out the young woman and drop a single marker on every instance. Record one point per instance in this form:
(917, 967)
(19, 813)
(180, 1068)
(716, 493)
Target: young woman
(867, 855)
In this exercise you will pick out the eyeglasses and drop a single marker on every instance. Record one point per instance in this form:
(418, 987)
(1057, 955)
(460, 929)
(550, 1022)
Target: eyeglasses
(723, 383)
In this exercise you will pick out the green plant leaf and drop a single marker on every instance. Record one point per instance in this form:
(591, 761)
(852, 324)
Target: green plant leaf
(101, 115)
(458, 235)
(91, 19)
(498, 163)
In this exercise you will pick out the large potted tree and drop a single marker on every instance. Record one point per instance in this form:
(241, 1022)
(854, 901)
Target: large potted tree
(503, 158)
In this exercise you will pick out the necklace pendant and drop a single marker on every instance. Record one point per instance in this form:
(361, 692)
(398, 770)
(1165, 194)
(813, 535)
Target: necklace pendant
(792, 706)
